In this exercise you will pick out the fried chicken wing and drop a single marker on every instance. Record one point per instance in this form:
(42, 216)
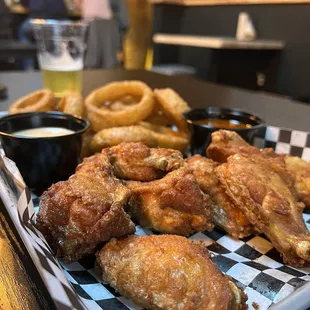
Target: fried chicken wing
(294, 171)
(135, 161)
(268, 204)
(167, 272)
(226, 143)
(300, 171)
(174, 204)
(77, 215)
(224, 212)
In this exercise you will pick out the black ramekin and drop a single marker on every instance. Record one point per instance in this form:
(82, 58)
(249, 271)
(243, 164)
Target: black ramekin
(45, 160)
(201, 134)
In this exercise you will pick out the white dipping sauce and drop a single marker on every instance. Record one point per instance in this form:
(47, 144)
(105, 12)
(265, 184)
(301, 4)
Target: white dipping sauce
(41, 132)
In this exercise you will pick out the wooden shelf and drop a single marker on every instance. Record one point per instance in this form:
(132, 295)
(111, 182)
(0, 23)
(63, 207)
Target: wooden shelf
(217, 42)
(226, 2)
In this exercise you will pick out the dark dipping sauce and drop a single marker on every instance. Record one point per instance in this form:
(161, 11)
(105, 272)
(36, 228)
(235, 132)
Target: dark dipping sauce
(222, 123)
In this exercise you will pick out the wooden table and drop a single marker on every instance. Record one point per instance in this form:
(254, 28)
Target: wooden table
(20, 284)
(21, 287)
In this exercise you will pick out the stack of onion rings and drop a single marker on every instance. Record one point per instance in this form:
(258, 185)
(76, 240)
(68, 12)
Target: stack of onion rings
(41, 100)
(102, 117)
(126, 111)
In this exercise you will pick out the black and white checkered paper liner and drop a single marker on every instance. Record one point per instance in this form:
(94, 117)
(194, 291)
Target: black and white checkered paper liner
(287, 141)
(22, 214)
(252, 262)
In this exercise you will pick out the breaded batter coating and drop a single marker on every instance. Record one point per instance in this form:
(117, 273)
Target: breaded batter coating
(300, 171)
(268, 204)
(77, 215)
(168, 272)
(135, 161)
(174, 204)
(173, 107)
(293, 170)
(225, 214)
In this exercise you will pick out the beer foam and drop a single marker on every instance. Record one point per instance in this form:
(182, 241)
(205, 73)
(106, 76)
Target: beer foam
(60, 63)
(71, 67)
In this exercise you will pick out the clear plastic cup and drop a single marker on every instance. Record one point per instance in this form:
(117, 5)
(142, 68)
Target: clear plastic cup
(60, 54)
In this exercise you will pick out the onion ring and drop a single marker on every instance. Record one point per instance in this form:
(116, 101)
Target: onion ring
(166, 137)
(72, 103)
(40, 100)
(116, 135)
(173, 107)
(157, 116)
(149, 134)
(102, 117)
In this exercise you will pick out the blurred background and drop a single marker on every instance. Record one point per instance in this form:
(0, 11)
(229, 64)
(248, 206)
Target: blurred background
(134, 18)
(178, 37)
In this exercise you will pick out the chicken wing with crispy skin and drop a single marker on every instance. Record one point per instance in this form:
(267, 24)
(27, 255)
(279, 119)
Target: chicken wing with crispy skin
(226, 143)
(136, 161)
(294, 170)
(300, 171)
(77, 215)
(168, 272)
(268, 204)
(174, 204)
(224, 212)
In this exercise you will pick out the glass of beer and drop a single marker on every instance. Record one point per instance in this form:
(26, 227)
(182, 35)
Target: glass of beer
(60, 54)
